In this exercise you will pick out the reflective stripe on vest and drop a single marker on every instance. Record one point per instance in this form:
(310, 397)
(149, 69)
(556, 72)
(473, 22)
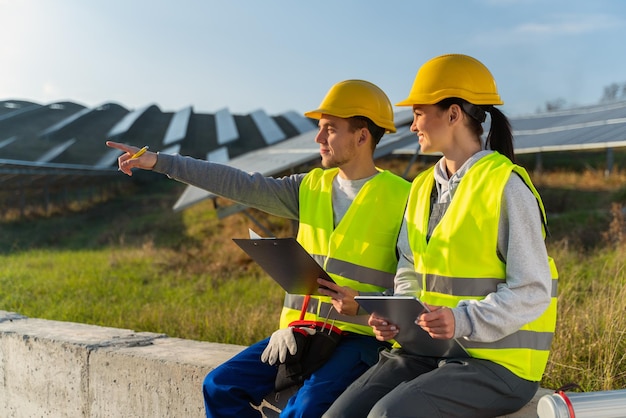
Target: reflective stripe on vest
(365, 274)
(470, 268)
(466, 286)
(360, 252)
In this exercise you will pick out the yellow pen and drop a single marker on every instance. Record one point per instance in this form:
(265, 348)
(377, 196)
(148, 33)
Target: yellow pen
(139, 153)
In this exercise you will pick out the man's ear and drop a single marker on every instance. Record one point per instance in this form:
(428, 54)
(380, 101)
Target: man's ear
(365, 133)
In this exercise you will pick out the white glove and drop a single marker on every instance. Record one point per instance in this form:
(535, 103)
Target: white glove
(280, 342)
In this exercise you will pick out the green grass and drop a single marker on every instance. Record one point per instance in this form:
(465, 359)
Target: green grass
(590, 344)
(131, 262)
(129, 289)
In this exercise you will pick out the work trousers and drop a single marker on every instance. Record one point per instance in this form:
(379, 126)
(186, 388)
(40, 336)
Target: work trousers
(404, 385)
(230, 388)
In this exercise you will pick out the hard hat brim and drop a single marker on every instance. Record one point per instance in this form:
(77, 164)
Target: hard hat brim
(317, 114)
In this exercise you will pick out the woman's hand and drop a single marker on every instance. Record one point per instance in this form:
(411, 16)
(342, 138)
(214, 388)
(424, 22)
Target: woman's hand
(439, 322)
(383, 330)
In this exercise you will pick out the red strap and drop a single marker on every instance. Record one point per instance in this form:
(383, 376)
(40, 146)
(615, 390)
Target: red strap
(300, 331)
(305, 305)
(319, 325)
(570, 407)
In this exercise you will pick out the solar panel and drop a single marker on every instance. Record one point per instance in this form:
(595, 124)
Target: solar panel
(65, 122)
(7, 141)
(177, 129)
(219, 155)
(225, 127)
(301, 123)
(56, 151)
(127, 122)
(269, 129)
(20, 110)
(596, 127)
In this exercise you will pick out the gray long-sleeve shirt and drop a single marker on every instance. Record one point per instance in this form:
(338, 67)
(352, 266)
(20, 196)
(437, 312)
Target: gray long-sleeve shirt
(277, 196)
(527, 291)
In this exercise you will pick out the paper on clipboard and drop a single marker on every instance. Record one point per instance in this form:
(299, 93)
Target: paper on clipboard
(402, 311)
(286, 261)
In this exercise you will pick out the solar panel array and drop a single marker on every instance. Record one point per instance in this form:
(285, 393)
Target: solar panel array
(47, 142)
(585, 128)
(41, 142)
(595, 127)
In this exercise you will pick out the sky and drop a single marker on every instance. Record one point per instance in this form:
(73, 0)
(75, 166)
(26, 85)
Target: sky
(284, 55)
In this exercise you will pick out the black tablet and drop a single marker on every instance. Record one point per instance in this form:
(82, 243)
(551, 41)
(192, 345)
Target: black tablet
(403, 311)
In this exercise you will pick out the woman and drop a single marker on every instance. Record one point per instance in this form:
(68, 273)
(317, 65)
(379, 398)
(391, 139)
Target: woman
(472, 248)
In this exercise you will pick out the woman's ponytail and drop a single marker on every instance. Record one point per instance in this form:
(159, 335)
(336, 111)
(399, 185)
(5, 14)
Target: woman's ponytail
(500, 137)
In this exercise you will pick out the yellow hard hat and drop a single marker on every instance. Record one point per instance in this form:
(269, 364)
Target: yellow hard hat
(357, 98)
(453, 75)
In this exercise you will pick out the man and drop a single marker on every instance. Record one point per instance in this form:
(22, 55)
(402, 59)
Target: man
(349, 217)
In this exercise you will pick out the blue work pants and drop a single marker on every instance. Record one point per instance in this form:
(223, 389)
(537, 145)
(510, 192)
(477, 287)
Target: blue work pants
(230, 388)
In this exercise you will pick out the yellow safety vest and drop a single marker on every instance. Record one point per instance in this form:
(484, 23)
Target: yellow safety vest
(460, 261)
(360, 253)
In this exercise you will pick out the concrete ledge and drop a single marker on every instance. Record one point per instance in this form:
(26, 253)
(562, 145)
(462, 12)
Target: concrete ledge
(65, 369)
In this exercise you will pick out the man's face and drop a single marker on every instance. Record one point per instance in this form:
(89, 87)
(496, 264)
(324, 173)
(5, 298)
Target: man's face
(338, 143)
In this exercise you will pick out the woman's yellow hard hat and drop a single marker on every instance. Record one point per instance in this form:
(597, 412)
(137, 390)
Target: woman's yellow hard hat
(453, 75)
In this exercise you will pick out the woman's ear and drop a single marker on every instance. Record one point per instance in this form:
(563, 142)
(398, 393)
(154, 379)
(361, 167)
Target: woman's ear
(454, 113)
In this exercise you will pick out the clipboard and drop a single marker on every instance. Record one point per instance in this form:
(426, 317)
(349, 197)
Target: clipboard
(402, 311)
(287, 262)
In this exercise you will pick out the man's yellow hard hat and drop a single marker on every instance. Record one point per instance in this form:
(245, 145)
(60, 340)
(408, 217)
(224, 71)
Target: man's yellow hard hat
(357, 98)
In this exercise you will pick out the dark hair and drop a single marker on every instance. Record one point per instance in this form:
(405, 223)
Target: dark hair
(500, 136)
(358, 122)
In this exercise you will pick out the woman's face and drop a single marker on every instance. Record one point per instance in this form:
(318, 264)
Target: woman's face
(430, 125)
